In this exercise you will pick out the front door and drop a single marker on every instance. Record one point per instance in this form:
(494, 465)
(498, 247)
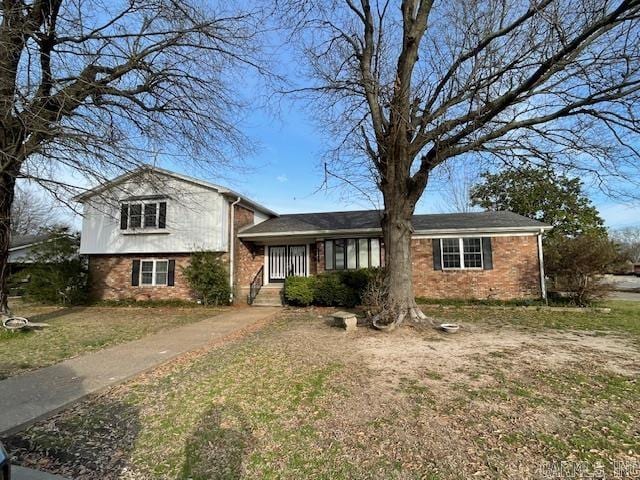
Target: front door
(287, 260)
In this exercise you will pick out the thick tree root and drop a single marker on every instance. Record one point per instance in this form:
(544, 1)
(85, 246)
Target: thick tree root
(411, 314)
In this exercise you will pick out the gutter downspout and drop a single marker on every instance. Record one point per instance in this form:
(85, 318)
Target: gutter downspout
(543, 283)
(232, 245)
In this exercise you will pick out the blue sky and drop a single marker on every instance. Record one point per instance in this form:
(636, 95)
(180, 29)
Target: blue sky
(286, 173)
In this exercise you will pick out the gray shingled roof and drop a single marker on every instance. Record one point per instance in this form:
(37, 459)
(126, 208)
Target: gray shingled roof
(23, 240)
(370, 219)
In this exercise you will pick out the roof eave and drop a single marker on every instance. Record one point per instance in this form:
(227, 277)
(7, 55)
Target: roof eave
(308, 233)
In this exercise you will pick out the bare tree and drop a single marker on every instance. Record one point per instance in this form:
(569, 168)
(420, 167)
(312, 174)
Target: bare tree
(404, 90)
(454, 182)
(87, 86)
(31, 213)
(629, 239)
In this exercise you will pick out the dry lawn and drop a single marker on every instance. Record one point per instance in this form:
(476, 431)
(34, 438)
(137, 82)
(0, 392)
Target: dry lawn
(78, 330)
(300, 399)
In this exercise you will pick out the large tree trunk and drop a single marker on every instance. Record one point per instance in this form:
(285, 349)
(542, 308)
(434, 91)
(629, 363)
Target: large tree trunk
(397, 230)
(7, 190)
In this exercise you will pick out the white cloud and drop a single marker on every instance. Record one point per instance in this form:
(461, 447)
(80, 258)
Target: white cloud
(282, 178)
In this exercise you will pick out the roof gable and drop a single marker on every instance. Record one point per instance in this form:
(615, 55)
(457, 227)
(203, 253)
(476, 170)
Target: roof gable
(148, 169)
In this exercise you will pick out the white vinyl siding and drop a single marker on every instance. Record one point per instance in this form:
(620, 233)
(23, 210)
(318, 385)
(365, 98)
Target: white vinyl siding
(197, 220)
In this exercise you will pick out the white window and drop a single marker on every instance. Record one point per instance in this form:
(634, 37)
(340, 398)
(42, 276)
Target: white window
(461, 253)
(352, 257)
(352, 253)
(472, 249)
(363, 251)
(328, 254)
(374, 252)
(150, 215)
(339, 253)
(135, 215)
(154, 272)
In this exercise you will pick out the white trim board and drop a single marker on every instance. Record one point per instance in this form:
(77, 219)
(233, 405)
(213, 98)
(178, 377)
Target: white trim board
(461, 232)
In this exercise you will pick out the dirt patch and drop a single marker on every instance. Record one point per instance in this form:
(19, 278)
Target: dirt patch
(412, 351)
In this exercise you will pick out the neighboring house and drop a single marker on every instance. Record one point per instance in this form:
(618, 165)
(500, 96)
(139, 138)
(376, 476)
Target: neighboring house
(140, 229)
(21, 249)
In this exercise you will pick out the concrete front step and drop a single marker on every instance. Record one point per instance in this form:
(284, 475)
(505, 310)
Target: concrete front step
(267, 304)
(268, 297)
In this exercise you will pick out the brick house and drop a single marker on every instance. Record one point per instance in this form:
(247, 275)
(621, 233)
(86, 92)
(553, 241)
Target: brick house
(140, 229)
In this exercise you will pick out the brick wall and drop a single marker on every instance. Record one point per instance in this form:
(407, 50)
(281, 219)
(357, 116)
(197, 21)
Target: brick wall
(319, 257)
(248, 256)
(515, 272)
(110, 279)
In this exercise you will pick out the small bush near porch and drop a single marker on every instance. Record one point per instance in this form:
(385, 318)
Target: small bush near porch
(330, 289)
(512, 394)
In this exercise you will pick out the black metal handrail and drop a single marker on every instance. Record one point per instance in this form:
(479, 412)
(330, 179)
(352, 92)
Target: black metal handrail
(256, 285)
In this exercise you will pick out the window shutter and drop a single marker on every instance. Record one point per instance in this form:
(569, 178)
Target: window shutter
(162, 216)
(124, 216)
(171, 275)
(437, 258)
(135, 273)
(487, 254)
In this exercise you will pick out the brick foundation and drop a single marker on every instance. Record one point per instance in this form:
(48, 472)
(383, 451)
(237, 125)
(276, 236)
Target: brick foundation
(110, 279)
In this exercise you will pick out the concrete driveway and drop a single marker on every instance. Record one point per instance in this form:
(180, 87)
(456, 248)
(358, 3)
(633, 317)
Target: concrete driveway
(21, 473)
(32, 396)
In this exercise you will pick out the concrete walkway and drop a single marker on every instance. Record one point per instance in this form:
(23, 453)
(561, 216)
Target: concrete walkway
(21, 473)
(32, 396)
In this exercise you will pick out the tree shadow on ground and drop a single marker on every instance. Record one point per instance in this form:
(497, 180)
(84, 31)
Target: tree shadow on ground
(79, 444)
(217, 446)
(61, 312)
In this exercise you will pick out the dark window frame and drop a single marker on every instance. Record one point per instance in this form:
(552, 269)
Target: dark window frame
(138, 221)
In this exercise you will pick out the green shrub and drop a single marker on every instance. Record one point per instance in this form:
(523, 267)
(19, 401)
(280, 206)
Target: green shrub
(299, 291)
(358, 280)
(57, 273)
(208, 278)
(332, 292)
(343, 288)
(330, 289)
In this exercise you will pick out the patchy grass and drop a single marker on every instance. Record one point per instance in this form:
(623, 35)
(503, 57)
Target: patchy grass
(299, 399)
(623, 318)
(77, 330)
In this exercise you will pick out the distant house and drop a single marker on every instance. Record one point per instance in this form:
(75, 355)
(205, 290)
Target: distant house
(22, 247)
(141, 228)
